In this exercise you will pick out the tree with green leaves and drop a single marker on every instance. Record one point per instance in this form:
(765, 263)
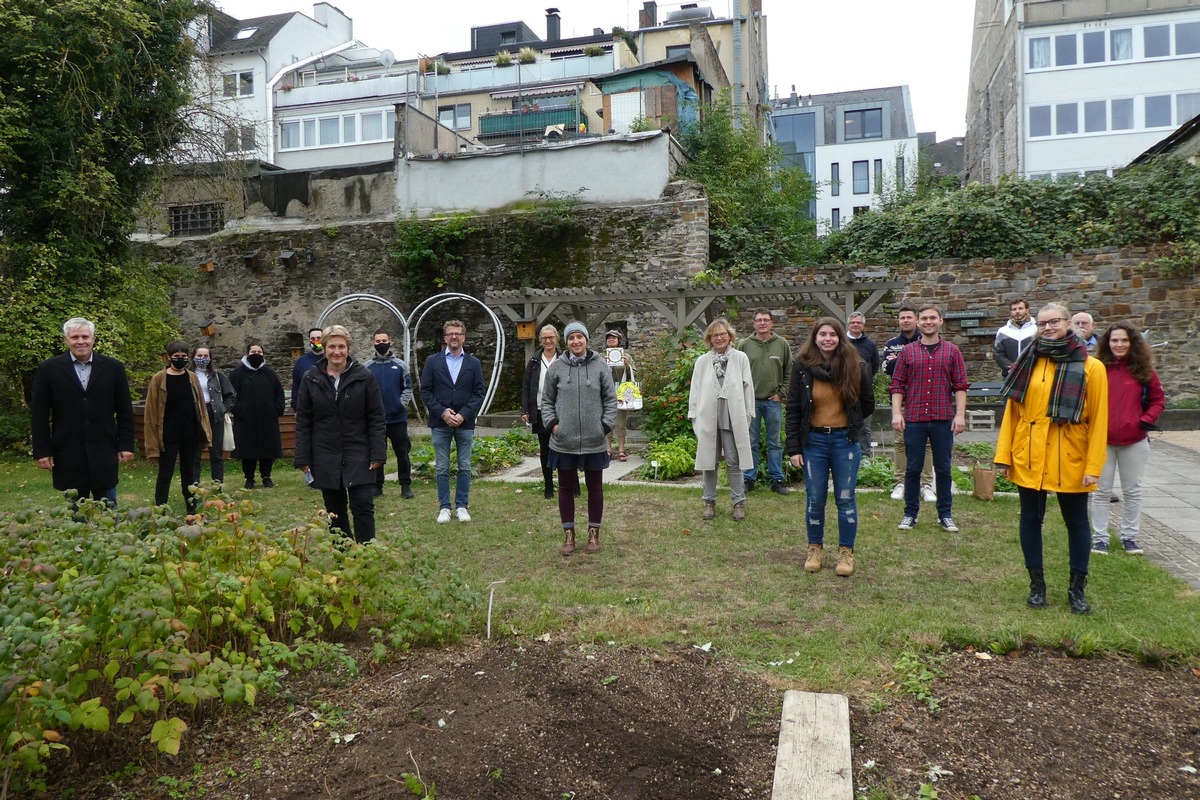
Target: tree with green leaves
(758, 206)
(90, 98)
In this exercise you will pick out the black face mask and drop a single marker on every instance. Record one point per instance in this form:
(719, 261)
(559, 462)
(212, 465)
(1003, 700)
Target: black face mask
(179, 363)
(255, 360)
(383, 348)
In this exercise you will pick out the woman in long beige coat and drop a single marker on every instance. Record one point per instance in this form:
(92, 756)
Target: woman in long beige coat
(721, 408)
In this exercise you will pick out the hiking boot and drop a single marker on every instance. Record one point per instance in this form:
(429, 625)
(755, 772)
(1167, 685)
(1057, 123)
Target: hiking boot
(749, 486)
(406, 492)
(948, 525)
(568, 542)
(1037, 589)
(268, 483)
(928, 494)
(907, 523)
(1131, 547)
(593, 545)
(739, 511)
(898, 491)
(845, 565)
(813, 562)
(779, 487)
(1100, 548)
(710, 509)
(1079, 603)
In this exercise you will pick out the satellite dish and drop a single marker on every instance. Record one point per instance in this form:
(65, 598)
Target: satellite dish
(387, 58)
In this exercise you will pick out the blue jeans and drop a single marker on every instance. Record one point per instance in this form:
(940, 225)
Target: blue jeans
(462, 438)
(771, 412)
(940, 436)
(824, 454)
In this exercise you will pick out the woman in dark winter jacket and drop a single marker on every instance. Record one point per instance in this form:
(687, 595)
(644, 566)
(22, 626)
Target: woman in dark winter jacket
(219, 398)
(340, 442)
(579, 406)
(531, 398)
(829, 401)
(256, 415)
(1135, 401)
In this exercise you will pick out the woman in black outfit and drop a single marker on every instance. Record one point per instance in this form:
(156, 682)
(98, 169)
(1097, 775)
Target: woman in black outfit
(256, 416)
(531, 398)
(177, 425)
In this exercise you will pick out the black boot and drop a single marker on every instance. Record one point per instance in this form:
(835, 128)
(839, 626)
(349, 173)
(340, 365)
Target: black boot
(1037, 589)
(548, 480)
(1079, 603)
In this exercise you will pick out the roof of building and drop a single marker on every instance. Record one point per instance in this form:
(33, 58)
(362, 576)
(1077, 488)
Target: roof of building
(535, 43)
(1183, 134)
(897, 96)
(225, 30)
(946, 156)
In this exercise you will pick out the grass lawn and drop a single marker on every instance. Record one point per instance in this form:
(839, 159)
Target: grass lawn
(664, 575)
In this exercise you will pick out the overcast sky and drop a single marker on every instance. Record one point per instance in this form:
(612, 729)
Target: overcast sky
(827, 46)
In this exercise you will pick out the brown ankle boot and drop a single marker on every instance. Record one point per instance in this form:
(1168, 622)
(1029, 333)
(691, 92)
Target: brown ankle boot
(593, 545)
(569, 542)
(813, 562)
(710, 509)
(845, 565)
(739, 511)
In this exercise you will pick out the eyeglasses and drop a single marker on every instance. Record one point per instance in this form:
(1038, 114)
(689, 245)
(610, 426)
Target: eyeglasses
(720, 335)
(453, 335)
(1051, 323)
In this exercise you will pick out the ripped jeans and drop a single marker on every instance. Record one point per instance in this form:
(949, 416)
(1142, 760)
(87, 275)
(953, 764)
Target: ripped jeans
(824, 454)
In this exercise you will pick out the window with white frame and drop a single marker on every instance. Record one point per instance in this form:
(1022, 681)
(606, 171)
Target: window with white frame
(335, 130)
(456, 117)
(1039, 121)
(1122, 114)
(1095, 116)
(1121, 44)
(1066, 118)
(1158, 111)
(238, 84)
(1064, 50)
(1039, 52)
(239, 139)
(1187, 105)
(289, 135)
(1156, 41)
(1093, 47)
(1187, 38)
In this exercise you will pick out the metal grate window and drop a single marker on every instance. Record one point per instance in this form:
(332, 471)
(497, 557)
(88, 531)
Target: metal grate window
(199, 219)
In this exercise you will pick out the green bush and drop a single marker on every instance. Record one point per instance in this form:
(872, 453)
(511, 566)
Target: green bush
(676, 459)
(136, 617)
(488, 453)
(877, 472)
(665, 402)
(15, 435)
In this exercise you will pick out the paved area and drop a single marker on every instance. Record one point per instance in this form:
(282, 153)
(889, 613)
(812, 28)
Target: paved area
(1170, 501)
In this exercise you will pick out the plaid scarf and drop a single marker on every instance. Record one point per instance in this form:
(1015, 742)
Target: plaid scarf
(1067, 393)
(720, 364)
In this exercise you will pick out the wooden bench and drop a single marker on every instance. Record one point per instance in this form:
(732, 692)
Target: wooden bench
(813, 759)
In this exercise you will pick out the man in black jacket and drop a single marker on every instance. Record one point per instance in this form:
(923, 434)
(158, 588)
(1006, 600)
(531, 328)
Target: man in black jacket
(82, 416)
(866, 347)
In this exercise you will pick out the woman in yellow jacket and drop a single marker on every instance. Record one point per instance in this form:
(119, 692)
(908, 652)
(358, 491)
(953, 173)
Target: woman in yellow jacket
(1054, 439)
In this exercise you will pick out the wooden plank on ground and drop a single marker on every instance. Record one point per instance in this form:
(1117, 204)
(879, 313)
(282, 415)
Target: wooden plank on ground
(813, 760)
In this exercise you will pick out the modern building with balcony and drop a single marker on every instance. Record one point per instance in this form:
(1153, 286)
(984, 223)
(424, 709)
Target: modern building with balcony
(858, 147)
(1060, 88)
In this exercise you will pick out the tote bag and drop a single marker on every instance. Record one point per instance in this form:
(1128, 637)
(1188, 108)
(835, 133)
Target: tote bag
(629, 394)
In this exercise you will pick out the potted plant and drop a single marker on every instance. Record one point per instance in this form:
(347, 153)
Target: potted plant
(593, 50)
(527, 55)
(503, 58)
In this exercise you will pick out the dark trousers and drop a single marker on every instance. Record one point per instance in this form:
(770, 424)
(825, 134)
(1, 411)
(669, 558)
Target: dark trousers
(397, 434)
(360, 500)
(187, 452)
(264, 467)
(544, 454)
(568, 487)
(940, 436)
(1074, 508)
(216, 453)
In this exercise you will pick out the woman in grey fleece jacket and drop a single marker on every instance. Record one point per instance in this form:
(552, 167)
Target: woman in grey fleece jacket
(579, 408)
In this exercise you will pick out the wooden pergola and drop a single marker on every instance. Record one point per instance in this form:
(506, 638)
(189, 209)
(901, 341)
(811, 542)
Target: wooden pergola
(684, 304)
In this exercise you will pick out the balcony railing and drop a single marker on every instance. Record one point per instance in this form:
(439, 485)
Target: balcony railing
(508, 123)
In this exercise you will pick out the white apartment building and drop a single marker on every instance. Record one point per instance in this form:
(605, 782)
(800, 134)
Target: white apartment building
(859, 147)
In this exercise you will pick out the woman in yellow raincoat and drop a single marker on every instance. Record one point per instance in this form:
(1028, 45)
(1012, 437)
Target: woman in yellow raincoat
(1054, 439)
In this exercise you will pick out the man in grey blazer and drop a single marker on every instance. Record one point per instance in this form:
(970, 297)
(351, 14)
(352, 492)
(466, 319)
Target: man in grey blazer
(82, 416)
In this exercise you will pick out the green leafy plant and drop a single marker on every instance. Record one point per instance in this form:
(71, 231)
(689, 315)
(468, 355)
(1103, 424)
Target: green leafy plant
(676, 458)
(876, 472)
(916, 674)
(503, 58)
(428, 252)
(665, 401)
(527, 55)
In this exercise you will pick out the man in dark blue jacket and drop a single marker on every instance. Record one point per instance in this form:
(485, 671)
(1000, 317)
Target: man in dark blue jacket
(306, 362)
(395, 384)
(452, 390)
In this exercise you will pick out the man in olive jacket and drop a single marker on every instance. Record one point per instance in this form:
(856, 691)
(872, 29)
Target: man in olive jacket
(771, 367)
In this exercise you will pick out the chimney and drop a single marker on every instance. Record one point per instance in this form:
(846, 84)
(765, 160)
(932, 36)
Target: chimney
(648, 16)
(553, 25)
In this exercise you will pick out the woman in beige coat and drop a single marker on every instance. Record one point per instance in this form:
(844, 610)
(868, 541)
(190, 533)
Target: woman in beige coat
(721, 408)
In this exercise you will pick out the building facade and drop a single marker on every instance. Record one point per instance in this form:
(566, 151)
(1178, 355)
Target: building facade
(859, 147)
(1067, 87)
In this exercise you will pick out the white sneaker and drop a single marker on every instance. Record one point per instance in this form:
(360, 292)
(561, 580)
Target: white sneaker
(928, 494)
(898, 491)
(463, 516)
(443, 516)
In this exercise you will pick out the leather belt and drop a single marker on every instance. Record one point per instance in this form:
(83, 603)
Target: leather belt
(820, 429)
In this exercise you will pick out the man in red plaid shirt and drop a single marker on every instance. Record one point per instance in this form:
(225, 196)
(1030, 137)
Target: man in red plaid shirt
(929, 404)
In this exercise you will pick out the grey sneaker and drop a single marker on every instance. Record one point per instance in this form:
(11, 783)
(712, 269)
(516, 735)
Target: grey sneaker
(1100, 548)
(1131, 547)
(928, 494)
(907, 524)
(948, 525)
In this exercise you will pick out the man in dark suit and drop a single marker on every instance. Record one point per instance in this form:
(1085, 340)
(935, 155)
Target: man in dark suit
(452, 390)
(82, 416)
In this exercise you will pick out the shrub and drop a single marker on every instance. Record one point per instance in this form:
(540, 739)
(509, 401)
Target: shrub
(876, 472)
(133, 617)
(676, 459)
(488, 453)
(665, 401)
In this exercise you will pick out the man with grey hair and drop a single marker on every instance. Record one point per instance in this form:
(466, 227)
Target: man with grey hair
(1085, 328)
(82, 416)
(855, 325)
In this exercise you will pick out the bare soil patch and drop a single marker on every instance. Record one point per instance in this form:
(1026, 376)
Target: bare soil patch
(551, 720)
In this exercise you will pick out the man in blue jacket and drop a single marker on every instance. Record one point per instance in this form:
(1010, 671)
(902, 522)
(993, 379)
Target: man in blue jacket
(452, 390)
(306, 362)
(395, 384)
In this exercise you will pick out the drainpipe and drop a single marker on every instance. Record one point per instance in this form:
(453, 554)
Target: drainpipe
(271, 84)
(738, 107)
